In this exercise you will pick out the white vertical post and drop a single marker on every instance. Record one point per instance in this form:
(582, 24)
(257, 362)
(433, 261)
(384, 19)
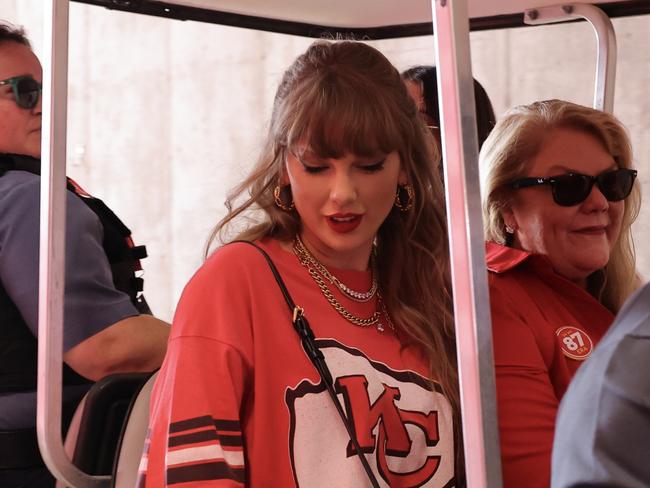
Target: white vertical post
(52, 250)
(605, 40)
(466, 242)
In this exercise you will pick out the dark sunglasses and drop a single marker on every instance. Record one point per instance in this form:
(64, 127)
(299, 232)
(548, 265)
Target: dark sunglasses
(574, 188)
(26, 90)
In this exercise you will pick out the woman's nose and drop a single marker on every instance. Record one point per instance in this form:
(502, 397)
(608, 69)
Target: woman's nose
(343, 189)
(595, 201)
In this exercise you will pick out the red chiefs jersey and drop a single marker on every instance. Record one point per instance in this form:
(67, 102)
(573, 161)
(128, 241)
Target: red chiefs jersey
(543, 326)
(237, 401)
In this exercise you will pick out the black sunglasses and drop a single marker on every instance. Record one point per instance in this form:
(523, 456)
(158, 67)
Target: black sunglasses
(26, 90)
(574, 188)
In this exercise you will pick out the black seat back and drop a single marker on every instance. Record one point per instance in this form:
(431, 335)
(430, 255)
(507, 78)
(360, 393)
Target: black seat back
(105, 409)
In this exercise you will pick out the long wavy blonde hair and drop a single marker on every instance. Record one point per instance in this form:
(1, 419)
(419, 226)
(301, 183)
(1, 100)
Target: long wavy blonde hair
(514, 142)
(346, 97)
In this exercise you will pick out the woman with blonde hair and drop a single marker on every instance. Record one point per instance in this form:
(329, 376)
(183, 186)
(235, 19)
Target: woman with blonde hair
(346, 204)
(559, 199)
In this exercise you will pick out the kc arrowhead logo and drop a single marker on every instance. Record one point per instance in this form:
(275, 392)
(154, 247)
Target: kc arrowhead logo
(401, 420)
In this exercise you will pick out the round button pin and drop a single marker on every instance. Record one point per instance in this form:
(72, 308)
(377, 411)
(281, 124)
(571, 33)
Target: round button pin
(575, 343)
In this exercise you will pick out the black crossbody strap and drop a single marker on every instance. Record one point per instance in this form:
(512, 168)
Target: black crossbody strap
(276, 274)
(302, 327)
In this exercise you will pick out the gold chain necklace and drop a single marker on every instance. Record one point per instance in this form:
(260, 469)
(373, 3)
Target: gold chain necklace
(357, 296)
(358, 321)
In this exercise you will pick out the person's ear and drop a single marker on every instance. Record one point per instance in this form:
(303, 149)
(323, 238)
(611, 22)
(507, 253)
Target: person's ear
(509, 220)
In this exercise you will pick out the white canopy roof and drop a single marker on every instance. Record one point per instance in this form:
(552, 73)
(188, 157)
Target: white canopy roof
(365, 13)
(375, 19)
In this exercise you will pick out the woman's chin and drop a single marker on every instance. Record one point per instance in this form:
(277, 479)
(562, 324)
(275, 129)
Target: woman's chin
(580, 269)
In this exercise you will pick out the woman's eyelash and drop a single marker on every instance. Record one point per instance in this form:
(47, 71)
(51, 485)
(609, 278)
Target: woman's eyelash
(371, 168)
(313, 169)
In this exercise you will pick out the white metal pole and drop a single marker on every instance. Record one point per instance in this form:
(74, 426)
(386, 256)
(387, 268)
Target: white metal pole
(466, 242)
(52, 250)
(605, 39)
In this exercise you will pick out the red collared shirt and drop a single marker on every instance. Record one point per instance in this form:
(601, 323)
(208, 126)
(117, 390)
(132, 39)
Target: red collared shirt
(543, 327)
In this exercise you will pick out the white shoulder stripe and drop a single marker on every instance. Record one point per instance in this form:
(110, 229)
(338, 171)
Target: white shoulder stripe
(204, 453)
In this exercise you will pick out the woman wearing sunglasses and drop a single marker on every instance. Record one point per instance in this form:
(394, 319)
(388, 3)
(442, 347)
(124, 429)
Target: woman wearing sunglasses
(559, 198)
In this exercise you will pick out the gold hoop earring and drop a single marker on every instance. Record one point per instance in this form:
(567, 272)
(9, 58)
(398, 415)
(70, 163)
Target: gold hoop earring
(410, 197)
(278, 199)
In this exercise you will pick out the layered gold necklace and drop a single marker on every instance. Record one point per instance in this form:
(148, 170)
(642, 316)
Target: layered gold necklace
(357, 296)
(320, 273)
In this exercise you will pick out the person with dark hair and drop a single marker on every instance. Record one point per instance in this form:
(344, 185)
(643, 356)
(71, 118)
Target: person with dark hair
(423, 88)
(346, 201)
(104, 329)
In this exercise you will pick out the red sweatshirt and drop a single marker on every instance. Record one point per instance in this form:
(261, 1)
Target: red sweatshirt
(238, 402)
(544, 326)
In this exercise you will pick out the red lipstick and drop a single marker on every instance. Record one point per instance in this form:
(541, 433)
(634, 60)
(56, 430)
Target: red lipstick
(344, 223)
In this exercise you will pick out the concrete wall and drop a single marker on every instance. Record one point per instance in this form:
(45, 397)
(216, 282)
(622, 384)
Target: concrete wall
(166, 116)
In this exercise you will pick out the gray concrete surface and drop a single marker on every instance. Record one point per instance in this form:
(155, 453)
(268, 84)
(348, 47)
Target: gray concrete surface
(166, 116)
